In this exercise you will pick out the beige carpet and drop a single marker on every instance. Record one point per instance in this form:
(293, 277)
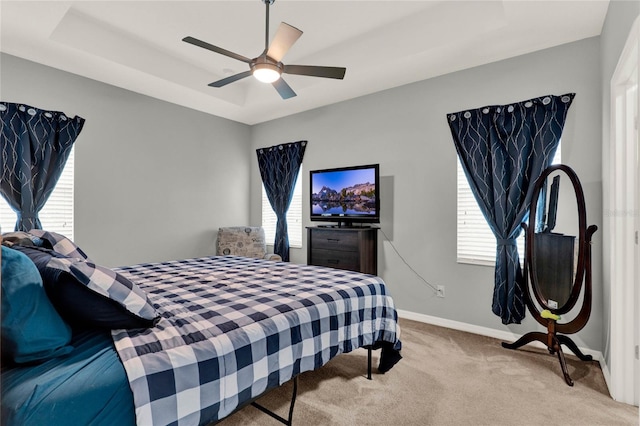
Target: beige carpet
(447, 377)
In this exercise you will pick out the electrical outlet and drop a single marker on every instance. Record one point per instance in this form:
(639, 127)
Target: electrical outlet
(637, 352)
(440, 291)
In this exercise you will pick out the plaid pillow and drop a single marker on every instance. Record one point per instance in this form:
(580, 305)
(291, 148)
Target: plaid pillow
(107, 283)
(60, 244)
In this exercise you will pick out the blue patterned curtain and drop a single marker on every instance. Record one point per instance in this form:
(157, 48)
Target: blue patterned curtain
(279, 167)
(34, 145)
(503, 150)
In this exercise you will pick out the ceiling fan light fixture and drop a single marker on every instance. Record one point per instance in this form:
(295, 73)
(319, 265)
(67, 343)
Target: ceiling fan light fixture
(266, 73)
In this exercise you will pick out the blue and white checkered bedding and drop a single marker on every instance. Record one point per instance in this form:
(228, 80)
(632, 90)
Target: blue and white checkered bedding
(234, 327)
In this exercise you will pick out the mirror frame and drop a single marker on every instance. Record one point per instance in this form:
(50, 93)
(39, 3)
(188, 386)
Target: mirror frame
(530, 264)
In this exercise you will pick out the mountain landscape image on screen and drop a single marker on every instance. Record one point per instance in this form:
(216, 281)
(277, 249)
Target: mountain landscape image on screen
(355, 199)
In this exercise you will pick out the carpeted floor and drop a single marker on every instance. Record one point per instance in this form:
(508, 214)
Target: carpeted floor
(447, 377)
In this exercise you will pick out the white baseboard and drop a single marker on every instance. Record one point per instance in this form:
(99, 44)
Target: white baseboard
(497, 334)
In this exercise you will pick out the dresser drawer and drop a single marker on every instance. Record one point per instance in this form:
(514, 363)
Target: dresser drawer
(335, 240)
(353, 249)
(349, 260)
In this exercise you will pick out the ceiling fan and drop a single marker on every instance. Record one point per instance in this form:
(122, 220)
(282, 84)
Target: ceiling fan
(268, 67)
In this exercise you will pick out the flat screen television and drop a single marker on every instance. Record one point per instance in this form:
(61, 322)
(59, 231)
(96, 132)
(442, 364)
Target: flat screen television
(346, 195)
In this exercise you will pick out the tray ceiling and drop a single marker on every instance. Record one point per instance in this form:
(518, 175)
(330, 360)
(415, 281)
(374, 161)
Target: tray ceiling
(137, 45)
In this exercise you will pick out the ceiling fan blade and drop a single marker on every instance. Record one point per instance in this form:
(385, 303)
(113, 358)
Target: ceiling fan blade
(216, 49)
(230, 79)
(285, 37)
(314, 71)
(283, 89)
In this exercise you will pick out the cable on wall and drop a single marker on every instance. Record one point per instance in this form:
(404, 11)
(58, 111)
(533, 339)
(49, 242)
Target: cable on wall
(406, 263)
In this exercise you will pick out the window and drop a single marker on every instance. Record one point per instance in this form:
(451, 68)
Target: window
(57, 213)
(476, 242)
(294, 216)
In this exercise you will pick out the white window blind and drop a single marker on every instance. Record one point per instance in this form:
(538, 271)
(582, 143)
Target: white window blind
(476, 243)
(294, 216)
(57, 213)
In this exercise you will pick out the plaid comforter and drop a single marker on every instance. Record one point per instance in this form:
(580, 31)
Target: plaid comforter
(234, 327)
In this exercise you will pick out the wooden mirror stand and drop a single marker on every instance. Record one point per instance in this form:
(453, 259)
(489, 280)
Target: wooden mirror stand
(543, 265)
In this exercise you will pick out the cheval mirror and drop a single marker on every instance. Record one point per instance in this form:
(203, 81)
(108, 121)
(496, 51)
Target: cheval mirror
(557, 264)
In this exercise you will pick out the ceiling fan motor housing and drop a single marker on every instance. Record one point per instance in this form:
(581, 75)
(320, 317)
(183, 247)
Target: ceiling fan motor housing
(263, 61)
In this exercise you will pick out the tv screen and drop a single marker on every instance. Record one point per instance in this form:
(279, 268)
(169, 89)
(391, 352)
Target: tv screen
(346, 195)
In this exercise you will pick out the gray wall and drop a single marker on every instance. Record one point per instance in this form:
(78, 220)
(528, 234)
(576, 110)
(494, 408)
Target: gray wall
(153, 181)
(405, 130)
(620, 17)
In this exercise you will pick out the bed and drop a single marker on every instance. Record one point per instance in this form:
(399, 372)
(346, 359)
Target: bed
(222, 332)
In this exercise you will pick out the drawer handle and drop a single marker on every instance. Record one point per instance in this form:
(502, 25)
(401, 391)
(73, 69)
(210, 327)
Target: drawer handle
(333, 240)
(334, 261)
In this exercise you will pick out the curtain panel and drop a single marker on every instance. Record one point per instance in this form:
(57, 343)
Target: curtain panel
(279, 166)
(503, 149)
(34, 147)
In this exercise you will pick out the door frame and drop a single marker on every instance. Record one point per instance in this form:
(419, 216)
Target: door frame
(621, 214)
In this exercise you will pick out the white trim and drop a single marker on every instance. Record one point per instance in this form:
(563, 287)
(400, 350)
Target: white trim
(506, 336)
(457, 325)
(620, 193)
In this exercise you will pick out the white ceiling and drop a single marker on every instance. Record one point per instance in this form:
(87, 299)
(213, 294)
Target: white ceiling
(137, 45)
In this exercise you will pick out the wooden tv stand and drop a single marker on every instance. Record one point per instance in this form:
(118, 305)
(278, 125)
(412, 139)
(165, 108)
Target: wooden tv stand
(350, 248)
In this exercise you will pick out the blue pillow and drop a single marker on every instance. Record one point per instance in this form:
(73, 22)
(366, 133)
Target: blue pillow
(86, 294)
(32, 329)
